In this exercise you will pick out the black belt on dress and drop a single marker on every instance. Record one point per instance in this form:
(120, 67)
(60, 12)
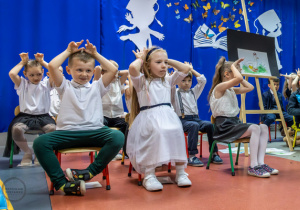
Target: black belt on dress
(150, 107)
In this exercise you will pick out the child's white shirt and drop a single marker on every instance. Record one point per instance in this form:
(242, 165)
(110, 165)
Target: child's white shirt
(112, 101)
(55, 103)
(81, 105)
(34, 99)
(189, 101)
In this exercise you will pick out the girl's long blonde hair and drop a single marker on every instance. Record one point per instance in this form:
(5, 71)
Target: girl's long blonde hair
(145, 69)
(221, 67)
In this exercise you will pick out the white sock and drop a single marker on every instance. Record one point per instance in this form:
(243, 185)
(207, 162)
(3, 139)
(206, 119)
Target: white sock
(149, 171)
(179, 169)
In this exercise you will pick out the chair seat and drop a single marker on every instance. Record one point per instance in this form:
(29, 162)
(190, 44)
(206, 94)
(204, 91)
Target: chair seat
(79, 150)
(34, 132)
(244, 140)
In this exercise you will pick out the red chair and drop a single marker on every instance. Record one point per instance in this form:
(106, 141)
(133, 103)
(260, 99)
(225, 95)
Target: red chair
(201, 136)
(91, 151)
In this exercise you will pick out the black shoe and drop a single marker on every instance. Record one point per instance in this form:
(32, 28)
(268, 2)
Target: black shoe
(75, 174)
(75, 188)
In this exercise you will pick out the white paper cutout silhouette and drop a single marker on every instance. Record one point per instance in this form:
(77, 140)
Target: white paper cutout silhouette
(271, 23)
(141, 15)
(200, 39)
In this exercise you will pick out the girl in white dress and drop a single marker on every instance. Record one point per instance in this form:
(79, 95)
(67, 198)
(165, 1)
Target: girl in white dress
(224, 106)
(156, 136)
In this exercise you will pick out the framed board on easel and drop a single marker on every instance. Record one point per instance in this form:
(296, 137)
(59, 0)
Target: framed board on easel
(260, 62)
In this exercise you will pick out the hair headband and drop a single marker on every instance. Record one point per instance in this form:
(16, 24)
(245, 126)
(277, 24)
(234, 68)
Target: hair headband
(148, 54)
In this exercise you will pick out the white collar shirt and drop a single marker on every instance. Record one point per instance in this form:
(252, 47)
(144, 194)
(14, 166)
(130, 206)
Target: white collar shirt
(34, 99)
(81, 105)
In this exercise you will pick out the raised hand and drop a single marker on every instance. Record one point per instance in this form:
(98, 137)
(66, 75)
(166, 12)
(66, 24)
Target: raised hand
(140, 54)
(39, 57)
(190, 64)
(236, 64)
(90, 48)
(24, 58)
(298, 72)
(73, 47)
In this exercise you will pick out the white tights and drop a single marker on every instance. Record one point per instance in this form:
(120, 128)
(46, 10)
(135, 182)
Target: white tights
(18, 131)
(258, 143)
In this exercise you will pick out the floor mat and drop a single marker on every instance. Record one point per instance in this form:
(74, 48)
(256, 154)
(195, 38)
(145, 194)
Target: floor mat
(26, 186)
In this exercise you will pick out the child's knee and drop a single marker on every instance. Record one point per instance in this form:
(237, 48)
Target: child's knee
(263, 127)
(118, 138)
(39, 144)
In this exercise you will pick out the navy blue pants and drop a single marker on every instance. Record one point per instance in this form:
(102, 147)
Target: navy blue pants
(192, 125)
(268, 119)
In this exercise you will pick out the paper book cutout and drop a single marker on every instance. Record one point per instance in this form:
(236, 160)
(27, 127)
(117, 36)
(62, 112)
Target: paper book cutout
(205, 37)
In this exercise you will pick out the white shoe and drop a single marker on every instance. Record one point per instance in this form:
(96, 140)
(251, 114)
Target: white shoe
(118, 157)
(182, 180)
(36, 161)
(26, 160)
(151, 183)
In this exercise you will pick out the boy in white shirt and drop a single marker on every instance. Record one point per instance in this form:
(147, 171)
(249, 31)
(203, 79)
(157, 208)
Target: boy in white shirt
(80, 118)
(185, 105)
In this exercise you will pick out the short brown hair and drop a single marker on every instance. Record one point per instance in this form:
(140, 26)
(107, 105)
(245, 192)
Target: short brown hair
(190, 75)
(82, 56)
(274, 80)
(32, 63)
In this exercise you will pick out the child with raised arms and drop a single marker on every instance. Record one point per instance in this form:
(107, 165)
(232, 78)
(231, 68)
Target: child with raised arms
(34, 102)
(80, 118)
(224, 106)
(156, 135)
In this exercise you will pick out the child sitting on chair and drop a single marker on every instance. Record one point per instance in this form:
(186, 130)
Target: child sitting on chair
(80, 118)
(185, 105)
(34, 100)
(112, 101)
(270, 103)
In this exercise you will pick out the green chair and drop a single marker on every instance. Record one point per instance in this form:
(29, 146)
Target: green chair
(238, 141)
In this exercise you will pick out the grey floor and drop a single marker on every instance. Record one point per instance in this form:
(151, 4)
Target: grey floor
(26, 186)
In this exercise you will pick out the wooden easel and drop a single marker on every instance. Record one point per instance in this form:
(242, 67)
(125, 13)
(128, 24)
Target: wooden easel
(243, 110)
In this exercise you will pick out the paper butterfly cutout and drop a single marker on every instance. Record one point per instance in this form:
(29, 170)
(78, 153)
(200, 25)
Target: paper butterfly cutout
(224, 19)
(189, 19)
(177, 11)
(250, 3)
(224, 5)
(215, 11)
(196, 4)
(236, 24)
(208, 36)
(235, 2)
(240, 11)
(249, 10)
(231, 16)
(177, 16)
(221, 29)
(204, 15)
(169, 5)
(203, 0)
(176, 3)
(215, 1)
(207, 7)
(186, 7)
(213, 25)
(233, 9)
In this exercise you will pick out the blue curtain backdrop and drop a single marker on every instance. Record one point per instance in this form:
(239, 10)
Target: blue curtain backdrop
(48, 26)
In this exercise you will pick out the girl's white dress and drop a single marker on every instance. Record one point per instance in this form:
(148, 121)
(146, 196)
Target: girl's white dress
(156, 135)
